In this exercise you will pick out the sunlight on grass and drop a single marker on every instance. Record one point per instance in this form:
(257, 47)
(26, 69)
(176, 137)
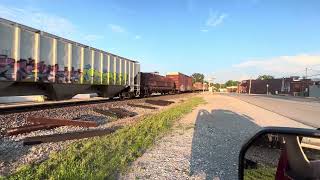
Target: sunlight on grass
(104, 157)
(267, 173)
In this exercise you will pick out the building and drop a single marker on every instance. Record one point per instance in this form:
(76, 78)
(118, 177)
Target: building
(314, 90)
(270, 86)
(232, 89)
(300, 87)
(293, 86)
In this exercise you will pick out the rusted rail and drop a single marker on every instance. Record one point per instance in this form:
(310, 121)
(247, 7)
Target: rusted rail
(61, 122)
(67, 136)
(29, 128)
(142, 106)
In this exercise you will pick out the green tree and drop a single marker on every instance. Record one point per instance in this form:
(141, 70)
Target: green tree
(197, 77)
(231, 83)
(218, 85)
(265, 77)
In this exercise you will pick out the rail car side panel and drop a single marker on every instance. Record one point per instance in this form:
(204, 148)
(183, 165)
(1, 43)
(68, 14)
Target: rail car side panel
(27, 64)
(155, 83)
(77, 65)
(46, 67)
(62, 69)
(105, 69)
(87, 66)
(183, 83)
(96, 67)
(7, 61)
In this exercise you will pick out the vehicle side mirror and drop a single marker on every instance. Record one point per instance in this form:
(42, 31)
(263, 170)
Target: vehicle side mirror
(281, 153)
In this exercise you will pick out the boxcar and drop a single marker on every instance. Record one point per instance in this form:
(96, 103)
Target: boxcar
(155, 83)
(199, 86)
(33, 62)
(183, 83)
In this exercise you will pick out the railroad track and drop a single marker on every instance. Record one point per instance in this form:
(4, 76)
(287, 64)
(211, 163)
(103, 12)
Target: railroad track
(25, 107)
(38, 133)
(27, 119)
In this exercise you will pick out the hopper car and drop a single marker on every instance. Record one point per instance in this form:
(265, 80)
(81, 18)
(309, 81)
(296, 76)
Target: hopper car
(33, 62)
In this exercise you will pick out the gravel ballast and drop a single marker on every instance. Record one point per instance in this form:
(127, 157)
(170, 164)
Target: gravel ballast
(14, 154)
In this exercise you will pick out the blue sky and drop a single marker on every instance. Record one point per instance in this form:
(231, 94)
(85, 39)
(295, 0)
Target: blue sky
(232, 39)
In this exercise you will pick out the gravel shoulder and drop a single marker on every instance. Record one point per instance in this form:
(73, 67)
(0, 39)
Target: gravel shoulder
(205, 143)
(14, 154)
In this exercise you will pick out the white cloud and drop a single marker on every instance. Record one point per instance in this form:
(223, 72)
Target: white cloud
(282, 66)
(92, 37)
(215, 18)
(204, 30)
(119, 29)
(224, 75)
(137, 37)
(37, 19)
(50, 23)
(116, 28)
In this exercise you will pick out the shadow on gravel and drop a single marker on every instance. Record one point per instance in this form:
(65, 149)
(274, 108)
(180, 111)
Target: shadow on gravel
(10, 151)
(217, 141)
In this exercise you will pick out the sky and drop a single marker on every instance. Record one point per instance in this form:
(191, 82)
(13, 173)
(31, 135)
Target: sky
(230, 39)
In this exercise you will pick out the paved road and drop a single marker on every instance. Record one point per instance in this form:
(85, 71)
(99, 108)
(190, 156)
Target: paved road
(306, 111)
(205, 144)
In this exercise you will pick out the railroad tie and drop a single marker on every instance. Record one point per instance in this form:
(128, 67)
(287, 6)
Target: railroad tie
(61, 122)
(68, 136)
(142, 106)
(29, 128)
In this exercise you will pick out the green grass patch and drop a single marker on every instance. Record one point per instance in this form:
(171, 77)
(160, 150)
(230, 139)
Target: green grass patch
(267, 173)
(105, 157)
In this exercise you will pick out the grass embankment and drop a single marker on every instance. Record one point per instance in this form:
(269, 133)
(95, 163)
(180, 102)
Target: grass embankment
(104, 157)
(267, 173)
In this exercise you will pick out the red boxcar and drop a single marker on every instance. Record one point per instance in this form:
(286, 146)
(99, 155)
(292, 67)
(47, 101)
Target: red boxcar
(155, 83)
(183, 83)
(198, 86)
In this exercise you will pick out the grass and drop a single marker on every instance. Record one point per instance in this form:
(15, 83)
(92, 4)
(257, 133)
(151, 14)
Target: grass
(105, 157)
(267, 173)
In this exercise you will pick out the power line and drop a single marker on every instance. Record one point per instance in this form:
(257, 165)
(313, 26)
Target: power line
(314, 75)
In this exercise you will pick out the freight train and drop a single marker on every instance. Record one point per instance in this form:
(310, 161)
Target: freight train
(33, 62)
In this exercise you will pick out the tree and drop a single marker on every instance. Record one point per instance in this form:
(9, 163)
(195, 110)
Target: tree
(197, 77)
(231, 83)
(218, 85)
(265, 77)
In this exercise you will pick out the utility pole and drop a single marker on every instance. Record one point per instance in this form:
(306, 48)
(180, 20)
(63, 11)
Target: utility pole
(305, 83)
(203, 85)
(306, 73)
(250, 87)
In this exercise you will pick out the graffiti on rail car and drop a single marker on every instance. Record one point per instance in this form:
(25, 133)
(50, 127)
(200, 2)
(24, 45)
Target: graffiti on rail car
(6, 68)
(26, 70)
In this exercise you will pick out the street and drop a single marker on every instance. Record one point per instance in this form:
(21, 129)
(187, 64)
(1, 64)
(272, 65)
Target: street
(205, 144)
(304, 110)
